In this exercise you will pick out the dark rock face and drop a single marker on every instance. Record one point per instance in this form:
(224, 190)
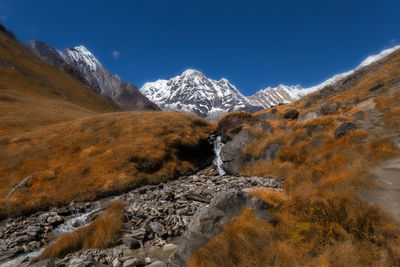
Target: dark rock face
(83, 65)
(53, 57)
(232, 154)
(344, 128)
(291, 114)
(208, 222)
(229, 123)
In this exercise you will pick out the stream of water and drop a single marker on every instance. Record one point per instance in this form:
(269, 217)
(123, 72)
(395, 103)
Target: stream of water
(217, 151)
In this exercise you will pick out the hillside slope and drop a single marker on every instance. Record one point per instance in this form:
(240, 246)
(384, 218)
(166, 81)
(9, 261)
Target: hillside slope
(32, 93)
(324, 147)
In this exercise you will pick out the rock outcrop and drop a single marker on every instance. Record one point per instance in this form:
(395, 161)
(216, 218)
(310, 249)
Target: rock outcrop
(209, 221)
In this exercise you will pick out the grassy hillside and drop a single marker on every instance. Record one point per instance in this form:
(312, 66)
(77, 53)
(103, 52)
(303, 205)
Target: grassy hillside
(32, 93)
(321, 219)
(96, 156)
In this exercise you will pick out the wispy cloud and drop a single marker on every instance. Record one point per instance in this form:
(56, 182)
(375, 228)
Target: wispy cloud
(115, 54)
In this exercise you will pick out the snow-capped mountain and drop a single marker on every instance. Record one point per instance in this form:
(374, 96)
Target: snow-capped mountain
(194, 93)
(272, 96)
(80, 60)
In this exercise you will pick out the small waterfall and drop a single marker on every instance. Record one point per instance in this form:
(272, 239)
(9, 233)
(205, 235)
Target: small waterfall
(217, 151)
(68, 226)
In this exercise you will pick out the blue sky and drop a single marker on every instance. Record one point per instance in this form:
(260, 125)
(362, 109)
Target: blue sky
(252, 43)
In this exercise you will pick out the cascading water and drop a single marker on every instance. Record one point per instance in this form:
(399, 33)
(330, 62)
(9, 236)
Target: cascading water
(217, 151)
(68, 226)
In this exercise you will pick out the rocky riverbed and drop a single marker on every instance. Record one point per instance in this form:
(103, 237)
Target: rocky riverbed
(156, 217)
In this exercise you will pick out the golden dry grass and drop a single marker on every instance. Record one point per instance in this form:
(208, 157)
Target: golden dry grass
(321, 220)
(96, 156)
(32, 93)
(101, 233)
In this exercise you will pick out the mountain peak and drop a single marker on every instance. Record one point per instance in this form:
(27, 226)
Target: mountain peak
(190, 72)
(193, 92)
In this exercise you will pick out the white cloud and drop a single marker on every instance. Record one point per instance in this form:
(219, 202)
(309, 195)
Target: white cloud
(115, 54)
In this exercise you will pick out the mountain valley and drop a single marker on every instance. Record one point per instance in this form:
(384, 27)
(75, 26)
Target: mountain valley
(189, 171)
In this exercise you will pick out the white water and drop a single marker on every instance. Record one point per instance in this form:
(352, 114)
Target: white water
(67, 226)
(217, 151)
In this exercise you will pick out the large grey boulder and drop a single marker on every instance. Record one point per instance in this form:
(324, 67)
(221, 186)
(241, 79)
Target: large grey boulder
(209, 221)
(231, 153)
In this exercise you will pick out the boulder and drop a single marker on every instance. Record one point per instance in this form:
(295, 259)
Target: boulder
(328, 108)
(291, 114)
(209, 221)
(55, 220)
(231, 153)
(344, 128)
(158, 229)
(139, 234)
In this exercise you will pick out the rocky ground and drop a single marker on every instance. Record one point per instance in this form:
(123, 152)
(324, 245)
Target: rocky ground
(156, 217)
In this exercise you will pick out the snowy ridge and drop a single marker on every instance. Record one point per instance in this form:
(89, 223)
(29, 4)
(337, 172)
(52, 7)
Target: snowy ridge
(82, 56)
(272, 96)
(194, 93)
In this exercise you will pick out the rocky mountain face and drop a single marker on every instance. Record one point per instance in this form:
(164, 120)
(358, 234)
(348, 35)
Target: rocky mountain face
(82, 64)
(194, 93)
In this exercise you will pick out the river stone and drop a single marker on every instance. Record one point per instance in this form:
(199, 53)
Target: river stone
(158, 228)
(139, 234)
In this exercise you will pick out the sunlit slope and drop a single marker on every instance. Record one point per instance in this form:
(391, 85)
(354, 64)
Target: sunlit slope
(32, 93)
(96, 156)
(321, 218)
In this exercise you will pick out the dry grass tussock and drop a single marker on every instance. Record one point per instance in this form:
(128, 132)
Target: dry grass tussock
(36, 94)
(97, 156)
(321, 220)
(101, 233)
